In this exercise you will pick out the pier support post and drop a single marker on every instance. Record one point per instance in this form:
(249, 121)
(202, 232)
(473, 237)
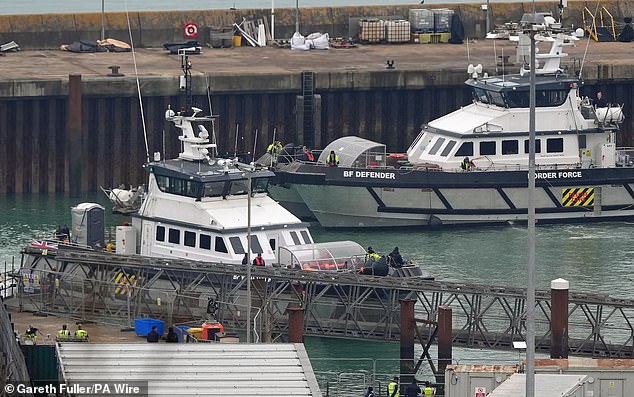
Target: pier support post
(445, 329)
(407, 340)
(295, 324)
(73, 124)
(559, 318)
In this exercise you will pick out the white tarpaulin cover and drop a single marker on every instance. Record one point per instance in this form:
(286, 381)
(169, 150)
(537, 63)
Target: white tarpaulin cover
(314, 40)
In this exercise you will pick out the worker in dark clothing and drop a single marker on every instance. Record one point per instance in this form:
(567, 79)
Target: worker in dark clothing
(31, 334)
(245, 260)
(152, 336)
(600, 101)
(171, 336)
(395, 258)
(370, 392)
(412, 390)
(258, 261)
(333, 159)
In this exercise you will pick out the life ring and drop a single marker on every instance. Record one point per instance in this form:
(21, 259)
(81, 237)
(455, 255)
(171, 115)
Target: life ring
(190, 30)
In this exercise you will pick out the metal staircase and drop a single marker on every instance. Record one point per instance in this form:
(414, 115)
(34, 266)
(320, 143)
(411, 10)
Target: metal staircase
(601, 28)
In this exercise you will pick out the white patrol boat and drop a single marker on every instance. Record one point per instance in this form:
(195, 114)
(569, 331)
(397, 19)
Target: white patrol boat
(471, 166)
(197, 205)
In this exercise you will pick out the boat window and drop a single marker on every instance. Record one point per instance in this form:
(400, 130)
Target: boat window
(543, 98)
(510, 147)
(220, 245)
(517, 99)
(554, 145)
(239, 187)
(418, 138)
(437, 145)
(160, 233)
(306, 237)
(480, 95)
(259, 185)
(204, 241)
(190, 239)
(497, 99)
(272, 242)
(236, 244)
(425, 139)
(582, 141)
(183, 187)
(174, 236)
(295, 238)
(466, 149)
(448, 147)
(213, 189)
(550, 98)
(538, 145)
(255, 245)
(487, 148)
(162, 182)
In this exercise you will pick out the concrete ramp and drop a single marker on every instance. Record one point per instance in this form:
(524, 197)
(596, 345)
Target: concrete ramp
(200, 369)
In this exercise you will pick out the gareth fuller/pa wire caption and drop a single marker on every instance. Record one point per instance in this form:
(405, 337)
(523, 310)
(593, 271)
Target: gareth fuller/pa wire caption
(79, 389)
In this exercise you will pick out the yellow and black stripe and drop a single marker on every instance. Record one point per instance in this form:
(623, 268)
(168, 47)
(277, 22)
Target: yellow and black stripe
(577, 197)
(123, 281)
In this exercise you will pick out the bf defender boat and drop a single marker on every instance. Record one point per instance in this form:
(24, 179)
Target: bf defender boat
(471, 166)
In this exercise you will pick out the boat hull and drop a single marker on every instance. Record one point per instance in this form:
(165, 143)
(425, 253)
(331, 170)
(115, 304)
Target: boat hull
(371, 198)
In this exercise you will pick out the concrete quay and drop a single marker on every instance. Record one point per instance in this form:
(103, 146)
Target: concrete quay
(45, 72)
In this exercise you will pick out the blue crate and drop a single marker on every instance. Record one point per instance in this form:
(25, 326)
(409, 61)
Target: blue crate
(143, 326)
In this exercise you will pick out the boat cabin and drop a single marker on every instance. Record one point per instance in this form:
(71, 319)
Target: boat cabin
(201, 207)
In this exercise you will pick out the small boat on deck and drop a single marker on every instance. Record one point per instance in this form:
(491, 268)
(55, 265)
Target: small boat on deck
(470, 167)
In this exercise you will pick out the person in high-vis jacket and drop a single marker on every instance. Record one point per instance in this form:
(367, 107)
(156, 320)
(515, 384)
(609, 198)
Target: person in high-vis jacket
(333, 159)
(81, 333)
(428, 391)
(392, 388)
(64, 332)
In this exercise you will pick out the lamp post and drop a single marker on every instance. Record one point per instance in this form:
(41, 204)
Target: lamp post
(532, 23)
(103, 32)
(249, 189)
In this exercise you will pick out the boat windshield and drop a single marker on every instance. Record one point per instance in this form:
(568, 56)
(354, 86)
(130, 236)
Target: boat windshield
(543, 98)
(332, 256)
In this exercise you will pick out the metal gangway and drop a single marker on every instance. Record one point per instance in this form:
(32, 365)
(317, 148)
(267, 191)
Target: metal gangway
(104, 286)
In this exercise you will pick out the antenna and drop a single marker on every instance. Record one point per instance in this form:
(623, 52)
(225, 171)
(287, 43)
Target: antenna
(495, 57)
(235, 145)
(138, 85)
(255, 142)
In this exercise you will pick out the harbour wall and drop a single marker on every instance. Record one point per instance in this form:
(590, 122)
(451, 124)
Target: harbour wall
(50, 144)
(152, 29)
